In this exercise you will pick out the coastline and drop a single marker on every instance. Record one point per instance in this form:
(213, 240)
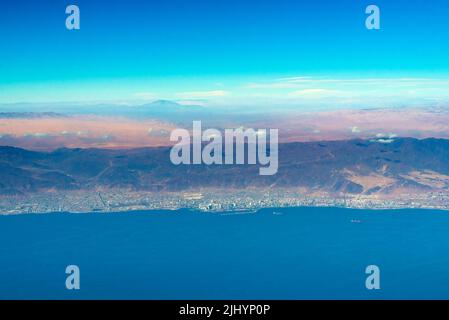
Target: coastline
(276, 211)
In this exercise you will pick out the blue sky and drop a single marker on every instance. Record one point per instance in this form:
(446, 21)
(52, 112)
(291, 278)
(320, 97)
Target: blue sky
(197, 49)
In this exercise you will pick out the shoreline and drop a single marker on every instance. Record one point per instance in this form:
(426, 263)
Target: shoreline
(210, 201)
(277, 211)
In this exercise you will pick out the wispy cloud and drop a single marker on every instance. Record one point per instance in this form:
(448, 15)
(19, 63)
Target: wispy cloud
(355, 129)
(298, 82)
(351, 91)
(358, 80)
(274, 85)
(37, 135)
(315, 93)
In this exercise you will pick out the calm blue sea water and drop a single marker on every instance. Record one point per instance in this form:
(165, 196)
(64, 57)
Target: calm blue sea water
(304, 253)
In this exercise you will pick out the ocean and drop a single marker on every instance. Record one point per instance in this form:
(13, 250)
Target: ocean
(283, 253)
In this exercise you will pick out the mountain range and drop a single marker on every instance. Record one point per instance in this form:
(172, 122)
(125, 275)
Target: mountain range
(354, 166)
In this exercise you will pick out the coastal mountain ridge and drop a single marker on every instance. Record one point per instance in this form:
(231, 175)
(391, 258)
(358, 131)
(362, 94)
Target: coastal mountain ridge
(336, 167)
